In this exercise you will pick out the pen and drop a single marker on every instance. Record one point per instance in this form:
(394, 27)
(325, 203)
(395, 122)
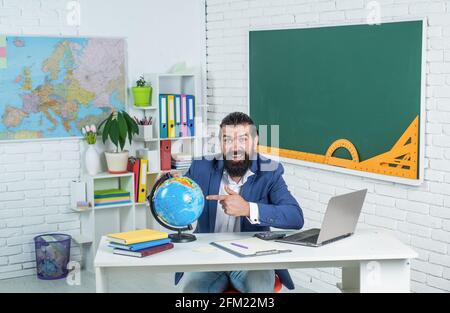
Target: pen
(238, 245)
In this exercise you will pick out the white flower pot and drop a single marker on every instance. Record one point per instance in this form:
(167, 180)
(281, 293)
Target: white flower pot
(146, 132)
(92, 161)
(117, 162)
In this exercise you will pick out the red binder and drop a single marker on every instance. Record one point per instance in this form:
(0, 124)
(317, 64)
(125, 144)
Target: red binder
(145, 252)
(133, 167)
(165, 155)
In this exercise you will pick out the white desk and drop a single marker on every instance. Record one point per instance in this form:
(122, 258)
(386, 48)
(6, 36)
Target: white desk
(371, 260)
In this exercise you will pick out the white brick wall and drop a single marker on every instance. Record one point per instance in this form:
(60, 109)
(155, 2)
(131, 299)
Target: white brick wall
(35, 176)
(34, 199)
(34, 183)
(419, 216)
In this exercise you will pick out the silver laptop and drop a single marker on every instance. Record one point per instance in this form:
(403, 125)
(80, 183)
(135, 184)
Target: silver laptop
(339, 222)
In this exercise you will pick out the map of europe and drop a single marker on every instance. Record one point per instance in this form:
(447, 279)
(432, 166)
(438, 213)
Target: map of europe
(51, 87)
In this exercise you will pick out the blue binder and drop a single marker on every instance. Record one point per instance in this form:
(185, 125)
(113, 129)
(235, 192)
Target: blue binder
(141, 245)
(163, 116)
(191, 115)
(178, 116)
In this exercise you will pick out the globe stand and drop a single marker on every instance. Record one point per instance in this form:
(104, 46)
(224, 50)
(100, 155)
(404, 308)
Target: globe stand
(182, 238)
(179, 237)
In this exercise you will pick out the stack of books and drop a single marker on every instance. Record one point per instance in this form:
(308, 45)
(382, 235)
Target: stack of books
(139, 243)
(111, 197)
(181, 161)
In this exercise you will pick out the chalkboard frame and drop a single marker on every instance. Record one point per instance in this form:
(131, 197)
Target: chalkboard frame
(422, 117)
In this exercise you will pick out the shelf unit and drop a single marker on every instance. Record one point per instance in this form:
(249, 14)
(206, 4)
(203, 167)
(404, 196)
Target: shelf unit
(186, 83)
(99, 221)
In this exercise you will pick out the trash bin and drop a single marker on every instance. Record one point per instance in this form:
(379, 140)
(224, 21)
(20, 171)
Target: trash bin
(52, 255)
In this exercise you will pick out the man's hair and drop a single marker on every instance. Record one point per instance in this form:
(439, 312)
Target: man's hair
(238, 118)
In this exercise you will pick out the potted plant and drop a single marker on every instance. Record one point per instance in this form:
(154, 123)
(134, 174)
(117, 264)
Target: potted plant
(91, 157)
(117, 127)
(142, 93)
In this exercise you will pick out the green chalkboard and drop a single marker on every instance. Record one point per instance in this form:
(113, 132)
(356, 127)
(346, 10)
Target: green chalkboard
(357, 82)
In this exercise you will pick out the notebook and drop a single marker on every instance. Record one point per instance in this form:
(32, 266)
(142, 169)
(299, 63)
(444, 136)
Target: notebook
(107, 193)
(137, 236)
(140, 246)
(250, 247)
(145, 252)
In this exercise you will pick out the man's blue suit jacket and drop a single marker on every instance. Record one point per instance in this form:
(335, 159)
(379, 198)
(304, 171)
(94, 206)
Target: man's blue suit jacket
(277, 207)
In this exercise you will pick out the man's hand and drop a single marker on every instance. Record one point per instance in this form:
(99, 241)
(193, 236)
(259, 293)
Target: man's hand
(233, 204)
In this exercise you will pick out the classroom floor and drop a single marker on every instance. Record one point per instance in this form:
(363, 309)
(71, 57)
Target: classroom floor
(160, 283)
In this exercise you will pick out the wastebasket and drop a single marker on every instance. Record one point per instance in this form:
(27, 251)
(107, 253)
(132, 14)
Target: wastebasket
(52, 255)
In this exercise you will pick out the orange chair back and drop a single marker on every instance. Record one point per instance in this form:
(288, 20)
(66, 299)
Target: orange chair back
(276, 289)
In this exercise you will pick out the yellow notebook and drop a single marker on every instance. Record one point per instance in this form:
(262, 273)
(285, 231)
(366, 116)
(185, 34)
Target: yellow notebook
(142, 192)
(136, 236)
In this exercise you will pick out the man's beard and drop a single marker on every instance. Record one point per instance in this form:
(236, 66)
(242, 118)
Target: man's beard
(237, 168)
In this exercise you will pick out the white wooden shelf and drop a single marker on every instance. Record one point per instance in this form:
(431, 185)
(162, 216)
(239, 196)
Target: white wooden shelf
(145, 140)
(82, 239)
(105, 175)
(82, 210)
(102, 220)
(172, 139)
(141, 203)
(145, 108)
(167, 171)
(179, 138)
(184, 83)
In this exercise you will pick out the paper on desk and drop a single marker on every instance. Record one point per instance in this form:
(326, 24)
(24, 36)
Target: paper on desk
(251, 246)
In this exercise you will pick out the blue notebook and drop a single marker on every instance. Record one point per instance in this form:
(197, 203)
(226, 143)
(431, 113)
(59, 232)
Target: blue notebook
(111, 196)
(141, 245)
(113, 203)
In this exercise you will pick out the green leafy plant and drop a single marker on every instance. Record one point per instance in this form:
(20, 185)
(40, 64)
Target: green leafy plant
(117, 127)
(142, 82)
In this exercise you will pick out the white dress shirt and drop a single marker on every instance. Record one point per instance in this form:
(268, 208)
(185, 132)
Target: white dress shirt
(224, 222)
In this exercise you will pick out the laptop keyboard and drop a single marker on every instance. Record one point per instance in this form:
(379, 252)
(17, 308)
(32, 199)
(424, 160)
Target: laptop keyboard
(310, 235)
(312, 239)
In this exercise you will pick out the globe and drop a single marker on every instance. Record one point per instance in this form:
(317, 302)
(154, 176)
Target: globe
(176, 203)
